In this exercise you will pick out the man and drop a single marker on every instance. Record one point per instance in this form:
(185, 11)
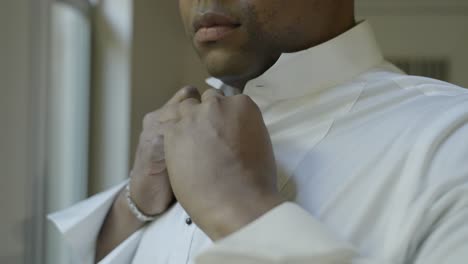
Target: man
(330, 155)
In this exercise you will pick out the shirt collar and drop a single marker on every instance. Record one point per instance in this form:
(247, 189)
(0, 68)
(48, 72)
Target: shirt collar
(313, 70)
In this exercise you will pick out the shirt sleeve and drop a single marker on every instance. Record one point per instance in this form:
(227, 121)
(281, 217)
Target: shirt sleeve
(286, 234)
(289, 234)
(80, 225)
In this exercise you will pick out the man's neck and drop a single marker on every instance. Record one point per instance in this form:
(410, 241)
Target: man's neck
(346, 24)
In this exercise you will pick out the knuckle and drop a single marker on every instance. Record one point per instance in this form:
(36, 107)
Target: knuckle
(148, 118)
(146, 121)
(243, 99)
(156, 142)
(212, 102)
(212, 93)
(184, 107)
(207, 92)
(151, 118)
(214, 99)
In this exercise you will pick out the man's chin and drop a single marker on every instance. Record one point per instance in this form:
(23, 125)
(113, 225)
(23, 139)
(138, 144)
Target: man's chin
(221, 64)
(234, 66)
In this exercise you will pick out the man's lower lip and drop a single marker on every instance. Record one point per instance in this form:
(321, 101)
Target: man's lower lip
(213, 33)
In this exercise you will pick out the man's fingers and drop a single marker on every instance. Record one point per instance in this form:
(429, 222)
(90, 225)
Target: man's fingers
(188, 106)
(164, 128)
(170, 110)
(210, 94)
(174, 112)
(168, 113)
(183, 94)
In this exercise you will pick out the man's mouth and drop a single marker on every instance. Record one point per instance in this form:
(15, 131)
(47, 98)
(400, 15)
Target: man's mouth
(212, 26)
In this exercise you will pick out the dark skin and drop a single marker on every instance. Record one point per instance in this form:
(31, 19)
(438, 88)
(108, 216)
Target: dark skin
(213, 153)
(268, 29)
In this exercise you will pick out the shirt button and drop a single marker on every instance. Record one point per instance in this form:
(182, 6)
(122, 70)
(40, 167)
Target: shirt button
(188, 221)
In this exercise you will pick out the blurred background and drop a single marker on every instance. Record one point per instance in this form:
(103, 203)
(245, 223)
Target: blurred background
(77, 76)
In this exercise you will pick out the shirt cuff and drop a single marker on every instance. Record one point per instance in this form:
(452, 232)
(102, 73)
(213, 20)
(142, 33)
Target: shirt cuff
(81, 223)
(286, 234)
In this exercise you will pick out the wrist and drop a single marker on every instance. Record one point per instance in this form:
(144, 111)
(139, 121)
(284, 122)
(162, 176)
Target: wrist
(237, 215)
(124, 212)
(152, 195)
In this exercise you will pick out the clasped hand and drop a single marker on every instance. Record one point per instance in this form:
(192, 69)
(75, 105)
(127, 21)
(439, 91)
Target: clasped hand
(218, 159)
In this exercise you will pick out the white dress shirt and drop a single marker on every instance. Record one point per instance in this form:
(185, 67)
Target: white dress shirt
(374, 162)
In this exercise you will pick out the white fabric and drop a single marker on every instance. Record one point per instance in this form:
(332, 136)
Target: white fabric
(373, 161)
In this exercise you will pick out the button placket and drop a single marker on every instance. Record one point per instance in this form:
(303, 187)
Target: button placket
(188, 234)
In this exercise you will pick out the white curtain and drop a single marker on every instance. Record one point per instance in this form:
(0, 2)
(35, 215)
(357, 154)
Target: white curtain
(68, 117)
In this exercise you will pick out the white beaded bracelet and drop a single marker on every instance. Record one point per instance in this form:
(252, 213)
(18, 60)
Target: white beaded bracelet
(134, 208)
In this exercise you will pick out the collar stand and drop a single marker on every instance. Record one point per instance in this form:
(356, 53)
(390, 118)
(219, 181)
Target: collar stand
(309, 71)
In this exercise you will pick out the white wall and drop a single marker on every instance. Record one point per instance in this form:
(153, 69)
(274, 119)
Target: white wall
(422, 28)
(157, 59)
(163, 60)
(14, 89)
(426, 36)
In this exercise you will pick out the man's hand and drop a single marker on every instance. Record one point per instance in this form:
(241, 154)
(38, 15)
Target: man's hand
(150, 188)
(221, 163)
